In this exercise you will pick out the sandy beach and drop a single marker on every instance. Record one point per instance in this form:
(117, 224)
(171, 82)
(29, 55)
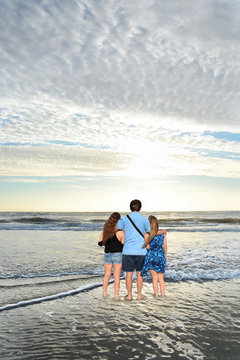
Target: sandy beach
(191, 322)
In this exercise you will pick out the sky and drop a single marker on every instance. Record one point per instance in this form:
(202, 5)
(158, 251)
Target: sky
(105, 101)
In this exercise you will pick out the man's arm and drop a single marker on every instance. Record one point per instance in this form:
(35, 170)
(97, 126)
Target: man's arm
(150, 237)
(162, 231)
(120, 236)
(120, 224)
(146, 235)
(146, 242)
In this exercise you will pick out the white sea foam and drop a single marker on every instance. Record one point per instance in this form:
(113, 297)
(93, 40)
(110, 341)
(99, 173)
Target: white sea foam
(201, 274)
(51, 297)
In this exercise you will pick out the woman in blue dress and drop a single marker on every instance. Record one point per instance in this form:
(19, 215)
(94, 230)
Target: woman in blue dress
(156, 258)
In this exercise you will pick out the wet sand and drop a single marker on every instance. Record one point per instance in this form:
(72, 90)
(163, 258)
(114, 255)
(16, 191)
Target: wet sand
(196, 320)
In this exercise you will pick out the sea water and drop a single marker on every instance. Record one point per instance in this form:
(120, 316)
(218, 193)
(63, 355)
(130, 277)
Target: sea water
(51, 304)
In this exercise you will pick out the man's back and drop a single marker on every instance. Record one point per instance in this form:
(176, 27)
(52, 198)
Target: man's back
(133, 240)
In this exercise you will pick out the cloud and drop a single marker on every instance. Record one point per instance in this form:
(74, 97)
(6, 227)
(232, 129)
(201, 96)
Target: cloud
(77, 187)
(167, 59)
(103, 87)
(59, 160)
(20, 180)
(142, 159)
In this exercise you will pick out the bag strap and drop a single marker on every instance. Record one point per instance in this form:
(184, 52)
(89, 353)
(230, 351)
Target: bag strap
(135, 226)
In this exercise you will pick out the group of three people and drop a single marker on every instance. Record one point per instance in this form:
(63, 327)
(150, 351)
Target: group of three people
(133, 243)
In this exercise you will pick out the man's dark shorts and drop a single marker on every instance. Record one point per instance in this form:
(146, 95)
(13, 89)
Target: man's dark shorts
(132, 262)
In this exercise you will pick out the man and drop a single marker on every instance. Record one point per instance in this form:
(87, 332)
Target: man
(133, 253)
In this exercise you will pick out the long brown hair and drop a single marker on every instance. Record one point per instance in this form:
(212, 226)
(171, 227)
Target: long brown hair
(154, 227)
(109, 228)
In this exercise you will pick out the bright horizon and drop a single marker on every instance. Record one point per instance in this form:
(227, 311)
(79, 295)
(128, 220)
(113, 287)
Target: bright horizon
(101, 103)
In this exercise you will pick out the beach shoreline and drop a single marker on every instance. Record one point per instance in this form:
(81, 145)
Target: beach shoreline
(197, 320)
(85, 326)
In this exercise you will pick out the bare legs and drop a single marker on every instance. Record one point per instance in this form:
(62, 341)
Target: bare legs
(161, 283)
(154, 282)
(129, 276)
(107, 274)
(117, 273)
(129, 285)
(158, 278)
(139, 285)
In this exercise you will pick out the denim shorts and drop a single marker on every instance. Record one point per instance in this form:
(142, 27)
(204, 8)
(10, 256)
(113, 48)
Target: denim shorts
(113, 258)
(132, 262)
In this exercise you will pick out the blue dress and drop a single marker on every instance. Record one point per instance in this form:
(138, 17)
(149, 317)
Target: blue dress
(155, 258)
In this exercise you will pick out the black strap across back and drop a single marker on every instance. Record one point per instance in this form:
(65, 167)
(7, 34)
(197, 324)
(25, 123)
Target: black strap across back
(135, 226)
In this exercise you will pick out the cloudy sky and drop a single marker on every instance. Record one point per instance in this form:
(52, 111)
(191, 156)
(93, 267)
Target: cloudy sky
(103, 101)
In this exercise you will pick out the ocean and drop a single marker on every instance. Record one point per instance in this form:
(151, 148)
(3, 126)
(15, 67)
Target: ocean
(51, 304)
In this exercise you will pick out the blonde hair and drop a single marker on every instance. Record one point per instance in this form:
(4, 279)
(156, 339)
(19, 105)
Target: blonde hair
(154, 227)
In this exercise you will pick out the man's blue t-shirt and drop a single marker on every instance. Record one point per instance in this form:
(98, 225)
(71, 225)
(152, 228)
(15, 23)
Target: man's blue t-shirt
(133, 240)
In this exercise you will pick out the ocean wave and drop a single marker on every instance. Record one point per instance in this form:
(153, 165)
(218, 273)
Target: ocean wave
(172, 274)
(100, 221)
(220, 221)
(86, 227)
(37, 220)
(33, 220)
(204, 230)
(198, 221)
(43, 281)
(92, 271)
(44, 220)
(51, 297)
(45, 223)
(76, 222)
(201, 275)
(202, 222)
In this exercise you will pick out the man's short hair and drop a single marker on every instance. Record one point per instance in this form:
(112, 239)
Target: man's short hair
(135, 205)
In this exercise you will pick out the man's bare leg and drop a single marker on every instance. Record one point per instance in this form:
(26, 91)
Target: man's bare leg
(139, 285)
(129, 285)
